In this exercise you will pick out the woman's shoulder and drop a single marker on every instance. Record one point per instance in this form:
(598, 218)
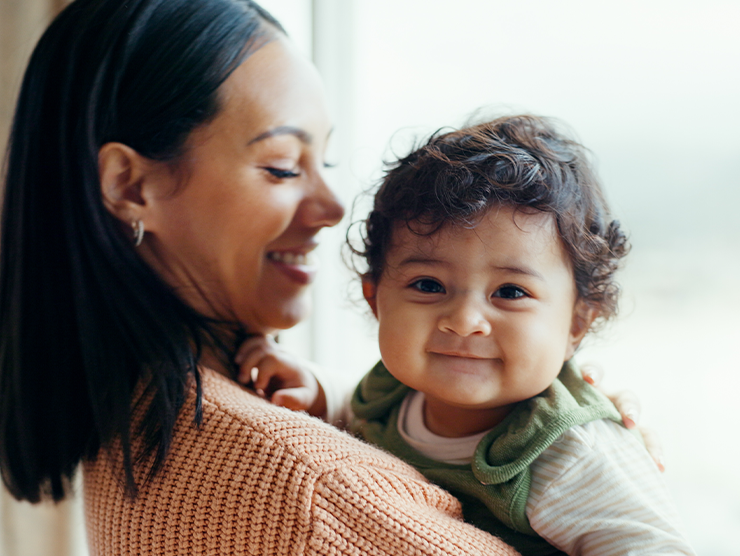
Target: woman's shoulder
(235, 416)
(242, 435)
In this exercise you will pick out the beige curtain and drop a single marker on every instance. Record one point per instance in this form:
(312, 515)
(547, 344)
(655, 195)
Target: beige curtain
(41, 529)
(25, 529)
(21, 24)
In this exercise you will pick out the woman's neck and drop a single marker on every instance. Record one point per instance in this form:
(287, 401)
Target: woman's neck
(217, 349)
(211, 360)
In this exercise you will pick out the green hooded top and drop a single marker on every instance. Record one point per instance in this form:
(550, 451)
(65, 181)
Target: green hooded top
(493, 489)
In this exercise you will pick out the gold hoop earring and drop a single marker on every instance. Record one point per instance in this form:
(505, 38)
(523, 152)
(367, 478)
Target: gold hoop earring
(138, 227)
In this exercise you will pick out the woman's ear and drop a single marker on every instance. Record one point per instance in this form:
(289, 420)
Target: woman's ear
(122, 171)
(583, 316)
(369, 289)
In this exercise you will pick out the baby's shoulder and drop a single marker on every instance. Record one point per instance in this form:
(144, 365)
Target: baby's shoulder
(602, 450)
(602, 441)
(596, 435)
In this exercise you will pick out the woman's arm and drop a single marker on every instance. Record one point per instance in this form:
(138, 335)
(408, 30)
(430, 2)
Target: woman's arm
(368, 509)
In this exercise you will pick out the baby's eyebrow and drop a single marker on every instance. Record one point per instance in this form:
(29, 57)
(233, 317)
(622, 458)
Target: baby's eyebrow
(416, 259)
(520, 270)
(431, 261)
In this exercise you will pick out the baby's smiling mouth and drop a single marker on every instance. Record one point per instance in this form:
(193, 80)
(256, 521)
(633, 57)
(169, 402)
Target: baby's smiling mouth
(459, 354)
(463, 363)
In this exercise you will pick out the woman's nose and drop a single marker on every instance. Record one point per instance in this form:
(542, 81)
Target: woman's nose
(324, 209)
(467, 317)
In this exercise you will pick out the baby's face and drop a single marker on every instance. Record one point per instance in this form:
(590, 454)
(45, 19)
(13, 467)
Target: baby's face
(478, 319)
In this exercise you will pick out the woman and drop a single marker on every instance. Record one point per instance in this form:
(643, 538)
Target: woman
(163, 195)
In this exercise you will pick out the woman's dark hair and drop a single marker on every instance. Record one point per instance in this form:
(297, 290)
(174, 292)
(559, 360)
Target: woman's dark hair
(82, 318)
(518, 161)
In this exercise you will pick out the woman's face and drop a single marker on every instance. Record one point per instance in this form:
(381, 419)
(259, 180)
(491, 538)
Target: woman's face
(236, 235)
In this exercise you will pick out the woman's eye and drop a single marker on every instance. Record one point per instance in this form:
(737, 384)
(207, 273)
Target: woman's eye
(282, 174)
(510, 292)
(426, 285)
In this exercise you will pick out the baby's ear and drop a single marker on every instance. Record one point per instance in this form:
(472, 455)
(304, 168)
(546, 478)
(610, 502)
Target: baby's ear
(583, 316)
(369, 289)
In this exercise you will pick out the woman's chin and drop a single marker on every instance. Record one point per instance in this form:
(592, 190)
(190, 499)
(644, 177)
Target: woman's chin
(287, 315)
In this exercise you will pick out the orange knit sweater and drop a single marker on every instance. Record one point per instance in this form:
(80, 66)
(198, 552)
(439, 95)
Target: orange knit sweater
(258, 479)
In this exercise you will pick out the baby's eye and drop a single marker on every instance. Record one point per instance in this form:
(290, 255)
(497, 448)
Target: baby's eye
(427, 285)
(510, 292)
(281, 174)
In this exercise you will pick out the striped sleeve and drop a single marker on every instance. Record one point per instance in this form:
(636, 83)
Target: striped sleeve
(596, 492)
(338, 390)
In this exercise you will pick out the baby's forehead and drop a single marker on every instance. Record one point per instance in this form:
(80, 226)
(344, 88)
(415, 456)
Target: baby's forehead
(501, 220)
(503, 239)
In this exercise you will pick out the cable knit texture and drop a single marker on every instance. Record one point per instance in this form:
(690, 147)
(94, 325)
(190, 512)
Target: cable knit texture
(258, 479)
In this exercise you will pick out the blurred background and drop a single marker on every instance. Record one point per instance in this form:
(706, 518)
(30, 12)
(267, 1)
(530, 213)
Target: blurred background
(651, 87)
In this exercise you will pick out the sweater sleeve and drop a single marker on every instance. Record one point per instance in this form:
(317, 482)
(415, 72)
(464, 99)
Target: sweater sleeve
(596, 492)
(366, 509)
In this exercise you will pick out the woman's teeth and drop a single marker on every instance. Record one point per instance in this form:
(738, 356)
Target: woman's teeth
(290, 258)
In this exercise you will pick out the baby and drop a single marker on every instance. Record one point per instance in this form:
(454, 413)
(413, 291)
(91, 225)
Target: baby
(490, 254)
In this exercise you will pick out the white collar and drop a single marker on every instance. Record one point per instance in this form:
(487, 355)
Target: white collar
(414, 431)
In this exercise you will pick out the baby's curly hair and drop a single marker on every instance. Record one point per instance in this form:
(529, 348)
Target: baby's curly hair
(517, 161)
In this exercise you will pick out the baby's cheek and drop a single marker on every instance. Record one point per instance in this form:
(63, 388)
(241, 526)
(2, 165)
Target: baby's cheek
(531, 350)
(388, 342)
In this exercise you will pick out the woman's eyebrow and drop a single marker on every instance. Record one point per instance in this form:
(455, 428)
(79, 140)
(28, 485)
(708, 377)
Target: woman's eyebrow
(301, 134)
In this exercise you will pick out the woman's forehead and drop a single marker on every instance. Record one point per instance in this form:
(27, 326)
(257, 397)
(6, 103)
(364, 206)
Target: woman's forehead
(275, 87)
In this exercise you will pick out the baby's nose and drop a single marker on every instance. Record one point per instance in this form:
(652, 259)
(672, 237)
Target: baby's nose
(466, 318)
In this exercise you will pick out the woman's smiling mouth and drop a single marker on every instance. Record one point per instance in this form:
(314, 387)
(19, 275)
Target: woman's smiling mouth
(299, 266)
(292, 258)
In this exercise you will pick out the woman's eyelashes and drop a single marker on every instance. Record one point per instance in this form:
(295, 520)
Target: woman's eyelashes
(280, 173)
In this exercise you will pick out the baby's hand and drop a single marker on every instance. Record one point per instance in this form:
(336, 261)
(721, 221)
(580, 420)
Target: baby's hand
(283, 379)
